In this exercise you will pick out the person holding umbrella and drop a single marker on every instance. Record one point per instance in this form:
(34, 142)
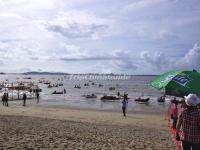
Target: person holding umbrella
(189, 120)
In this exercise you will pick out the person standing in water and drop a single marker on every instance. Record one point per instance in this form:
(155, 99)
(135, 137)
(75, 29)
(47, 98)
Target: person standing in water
(3, 99)
(38, 97)
(64, 91)
(6, 99)
(24, 99)
(124, 104)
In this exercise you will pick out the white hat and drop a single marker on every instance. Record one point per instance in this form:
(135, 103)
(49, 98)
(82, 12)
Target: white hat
(192, 100)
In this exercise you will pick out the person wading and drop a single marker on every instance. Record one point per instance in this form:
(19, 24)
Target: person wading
(124, 104)
(24, 99)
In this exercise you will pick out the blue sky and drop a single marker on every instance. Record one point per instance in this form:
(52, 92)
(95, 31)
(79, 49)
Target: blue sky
(104, 36)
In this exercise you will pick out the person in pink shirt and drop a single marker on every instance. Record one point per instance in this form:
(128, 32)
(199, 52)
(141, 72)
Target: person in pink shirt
(174, 115)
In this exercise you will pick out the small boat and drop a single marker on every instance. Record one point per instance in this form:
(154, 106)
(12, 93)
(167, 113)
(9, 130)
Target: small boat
(27, 78)
(139, 99)
(100, 85)
(60, 84)
(21, 83)
(55, 92)
(47, 82)
(37, 90)
(91, 96)
(30, 84)
(111, 88)
(161, 100)
(77, 86)
(49, 86)
(110, 97)
(86, 84)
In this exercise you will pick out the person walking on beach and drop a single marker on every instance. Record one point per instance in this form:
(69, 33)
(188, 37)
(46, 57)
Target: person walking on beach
(24, 99)
(118, 94)
(189, 120)
(124, 106)
(126, 96)
(4, 99)
(38, 97)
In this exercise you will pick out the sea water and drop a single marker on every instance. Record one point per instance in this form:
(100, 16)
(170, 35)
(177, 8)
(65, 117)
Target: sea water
(134, 86)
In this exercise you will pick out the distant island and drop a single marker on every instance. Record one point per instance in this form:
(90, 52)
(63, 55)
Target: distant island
(62, 73)
(45, 73)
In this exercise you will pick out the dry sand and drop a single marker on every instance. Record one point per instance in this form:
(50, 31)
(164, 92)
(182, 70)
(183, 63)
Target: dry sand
(58, 128)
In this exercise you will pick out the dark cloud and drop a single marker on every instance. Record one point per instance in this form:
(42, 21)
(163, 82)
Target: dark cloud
(77, 30)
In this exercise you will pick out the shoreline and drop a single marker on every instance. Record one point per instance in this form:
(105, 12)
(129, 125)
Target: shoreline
(32, 103)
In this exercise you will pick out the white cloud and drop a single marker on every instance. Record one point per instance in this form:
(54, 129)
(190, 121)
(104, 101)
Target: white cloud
(191, 60)
(161, 63)
(71, 34)
(157, 61)
(143, 4)
(164, 35)
(78, 24)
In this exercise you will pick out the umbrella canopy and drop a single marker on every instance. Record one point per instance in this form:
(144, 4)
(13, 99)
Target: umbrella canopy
(178, 83)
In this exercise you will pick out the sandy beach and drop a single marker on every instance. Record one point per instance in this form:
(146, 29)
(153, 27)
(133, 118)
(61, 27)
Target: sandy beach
(63, 128)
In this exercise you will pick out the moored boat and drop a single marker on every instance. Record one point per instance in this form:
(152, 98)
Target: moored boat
(109, 97)
(55, 92)
(91, 96)
(139, 99)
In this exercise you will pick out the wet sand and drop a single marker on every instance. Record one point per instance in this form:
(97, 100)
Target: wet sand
(58, 128)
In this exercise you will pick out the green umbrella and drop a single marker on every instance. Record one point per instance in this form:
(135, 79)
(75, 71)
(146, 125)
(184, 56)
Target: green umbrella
(178, 83)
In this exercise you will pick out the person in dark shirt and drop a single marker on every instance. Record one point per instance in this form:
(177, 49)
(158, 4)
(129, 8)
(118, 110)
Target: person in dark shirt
(189, 120)
(24, 99)
(38, 97)
(124, 104)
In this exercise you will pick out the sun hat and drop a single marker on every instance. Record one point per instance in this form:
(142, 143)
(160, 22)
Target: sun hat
(192, 100)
